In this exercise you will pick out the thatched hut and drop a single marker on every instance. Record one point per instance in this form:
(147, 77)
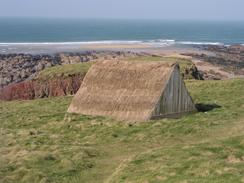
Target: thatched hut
(133, 91)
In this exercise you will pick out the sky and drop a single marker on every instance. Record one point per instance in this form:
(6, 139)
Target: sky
(126, 9)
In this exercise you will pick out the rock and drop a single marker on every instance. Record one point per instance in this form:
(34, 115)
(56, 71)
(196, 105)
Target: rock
(23, 74)
(40, 66)
(229, 59)
(28, 90)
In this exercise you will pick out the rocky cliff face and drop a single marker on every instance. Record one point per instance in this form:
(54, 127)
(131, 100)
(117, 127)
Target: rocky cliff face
(15, 68)
(33, 89)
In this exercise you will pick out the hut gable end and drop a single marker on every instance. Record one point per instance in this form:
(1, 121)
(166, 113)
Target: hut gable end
(175, 98)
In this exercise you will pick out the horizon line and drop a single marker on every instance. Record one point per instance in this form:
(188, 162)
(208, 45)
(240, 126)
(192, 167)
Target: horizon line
(121, 18)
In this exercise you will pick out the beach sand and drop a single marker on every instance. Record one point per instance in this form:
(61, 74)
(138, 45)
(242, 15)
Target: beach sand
(59, 47)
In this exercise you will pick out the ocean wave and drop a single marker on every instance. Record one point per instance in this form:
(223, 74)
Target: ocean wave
(159, 41)
(55, 43)
(155, 42)
(199, 43)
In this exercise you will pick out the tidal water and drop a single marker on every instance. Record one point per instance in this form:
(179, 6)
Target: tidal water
(68, 31)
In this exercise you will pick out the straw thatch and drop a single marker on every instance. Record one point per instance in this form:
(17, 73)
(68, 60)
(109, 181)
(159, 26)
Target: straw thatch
(136, 91)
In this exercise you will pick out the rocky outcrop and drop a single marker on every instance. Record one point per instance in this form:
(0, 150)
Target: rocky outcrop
(226, 61)
(191, 72)
(15, 68)
(33, 89)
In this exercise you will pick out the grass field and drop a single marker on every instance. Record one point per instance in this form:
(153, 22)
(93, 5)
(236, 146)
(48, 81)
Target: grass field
(39, 142)
(63, 71)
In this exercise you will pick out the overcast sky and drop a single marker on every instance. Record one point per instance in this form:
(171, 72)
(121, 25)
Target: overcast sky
(129, 9)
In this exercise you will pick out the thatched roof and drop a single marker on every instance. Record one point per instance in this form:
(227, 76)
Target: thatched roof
(123, 90)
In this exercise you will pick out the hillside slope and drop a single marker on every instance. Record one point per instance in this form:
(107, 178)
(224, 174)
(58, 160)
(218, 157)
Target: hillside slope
(59, 80)
(41, 143)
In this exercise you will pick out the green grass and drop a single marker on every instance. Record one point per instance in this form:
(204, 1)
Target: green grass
(39, 142)
(63, 71)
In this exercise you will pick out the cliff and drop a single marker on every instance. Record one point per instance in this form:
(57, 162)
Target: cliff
(28, 90)
(55, 81)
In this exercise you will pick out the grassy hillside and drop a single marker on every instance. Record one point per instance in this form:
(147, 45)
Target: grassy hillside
(63, 71)
(41, 143)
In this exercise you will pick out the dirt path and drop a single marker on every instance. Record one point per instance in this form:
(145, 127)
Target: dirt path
(119, 169)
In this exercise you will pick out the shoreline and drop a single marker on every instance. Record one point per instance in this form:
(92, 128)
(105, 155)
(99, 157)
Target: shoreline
(49, 48)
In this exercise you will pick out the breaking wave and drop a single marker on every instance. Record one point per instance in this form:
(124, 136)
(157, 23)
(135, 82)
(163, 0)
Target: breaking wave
(156, 42)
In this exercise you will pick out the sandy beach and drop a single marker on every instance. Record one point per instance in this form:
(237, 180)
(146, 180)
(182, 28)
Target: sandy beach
(52, 48)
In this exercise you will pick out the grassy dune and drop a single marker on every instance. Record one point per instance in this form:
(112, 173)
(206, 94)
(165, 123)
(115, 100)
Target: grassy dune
(39, 142)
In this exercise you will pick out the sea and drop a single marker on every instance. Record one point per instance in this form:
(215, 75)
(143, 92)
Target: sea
(19, 33)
